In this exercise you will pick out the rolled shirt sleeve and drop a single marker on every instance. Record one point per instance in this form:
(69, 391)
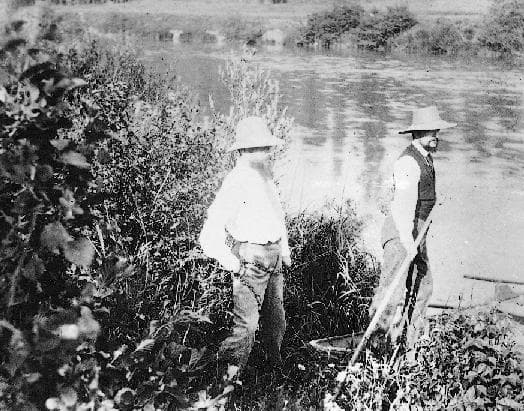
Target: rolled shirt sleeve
(212, 238)
(406, 176)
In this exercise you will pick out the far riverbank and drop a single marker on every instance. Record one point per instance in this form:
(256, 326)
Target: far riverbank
(436, 27)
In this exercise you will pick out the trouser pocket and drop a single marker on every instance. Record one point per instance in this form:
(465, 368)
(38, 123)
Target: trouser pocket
(267, 257)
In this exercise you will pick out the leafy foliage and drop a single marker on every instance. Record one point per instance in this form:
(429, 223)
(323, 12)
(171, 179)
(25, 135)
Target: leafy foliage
(503, 28)
(367, 30)
(327, 27)
(501, 32)
(467, 362)
(442, 37)
(43, 177)
(376, 30)
(65, 160)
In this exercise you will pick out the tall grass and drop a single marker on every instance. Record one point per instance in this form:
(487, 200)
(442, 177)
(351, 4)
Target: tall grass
(331, 283)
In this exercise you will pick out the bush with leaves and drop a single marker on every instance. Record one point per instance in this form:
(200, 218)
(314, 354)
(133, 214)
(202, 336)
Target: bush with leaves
(441, 37)
(371, 31)
(51, 191)
(503, 27)
(377, 29)
(43, 254)
(327, 28)
(467, 362)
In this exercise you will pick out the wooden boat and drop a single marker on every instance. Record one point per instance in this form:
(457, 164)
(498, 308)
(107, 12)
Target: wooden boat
(337, 346)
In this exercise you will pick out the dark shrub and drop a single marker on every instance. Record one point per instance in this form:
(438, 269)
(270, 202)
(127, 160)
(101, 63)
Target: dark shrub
(327, 27)
(372, 31)
(503, 28)
(44, 254)
(378, 28)
(442, 37)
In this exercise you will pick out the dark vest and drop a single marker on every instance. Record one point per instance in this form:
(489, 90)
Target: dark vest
(426, 185)
(426, 195)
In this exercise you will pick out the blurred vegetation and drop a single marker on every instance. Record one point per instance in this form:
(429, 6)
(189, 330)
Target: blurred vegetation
(442, 37)
(367, 30)
(328, 27)
(330, 287)
(377, 29)
(503, 27)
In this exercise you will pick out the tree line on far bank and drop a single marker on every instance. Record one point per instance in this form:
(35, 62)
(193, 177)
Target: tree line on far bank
(396, 28)
(350, 25)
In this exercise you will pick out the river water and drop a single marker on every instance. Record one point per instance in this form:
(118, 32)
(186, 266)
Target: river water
(348, 109)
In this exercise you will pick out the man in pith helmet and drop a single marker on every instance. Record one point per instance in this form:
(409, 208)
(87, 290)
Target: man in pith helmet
(248, 209)
(414, 198)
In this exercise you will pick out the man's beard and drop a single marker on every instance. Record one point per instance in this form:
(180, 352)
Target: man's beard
(263, 167)
(430, 148)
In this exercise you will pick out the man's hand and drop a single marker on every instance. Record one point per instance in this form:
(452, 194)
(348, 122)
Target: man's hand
(286, 260)
(236, 267)
(411, 250)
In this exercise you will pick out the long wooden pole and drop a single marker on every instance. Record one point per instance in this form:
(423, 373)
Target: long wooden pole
(389, 292)
(385, 301)
(492, 279)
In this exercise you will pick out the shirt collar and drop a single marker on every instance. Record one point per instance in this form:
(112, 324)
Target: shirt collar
(419, 147)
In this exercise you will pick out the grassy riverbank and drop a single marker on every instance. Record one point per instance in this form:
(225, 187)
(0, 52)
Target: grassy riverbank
(107, 302)
(484, 28)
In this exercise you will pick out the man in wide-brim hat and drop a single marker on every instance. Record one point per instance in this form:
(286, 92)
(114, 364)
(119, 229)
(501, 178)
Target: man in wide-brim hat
(247, 209)
(414, 198)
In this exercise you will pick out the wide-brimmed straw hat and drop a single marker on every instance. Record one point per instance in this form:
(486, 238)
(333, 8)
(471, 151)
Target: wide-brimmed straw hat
(427, 118)
(253, 132)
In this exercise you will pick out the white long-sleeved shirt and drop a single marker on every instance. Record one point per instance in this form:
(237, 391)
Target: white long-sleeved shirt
(248, 207)
(406, 177)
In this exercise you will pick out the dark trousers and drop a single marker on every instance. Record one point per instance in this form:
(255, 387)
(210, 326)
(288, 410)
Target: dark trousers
(258, 294)
(407, 308)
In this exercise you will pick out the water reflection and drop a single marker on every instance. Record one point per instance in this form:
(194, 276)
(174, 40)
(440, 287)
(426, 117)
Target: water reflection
(348, 110)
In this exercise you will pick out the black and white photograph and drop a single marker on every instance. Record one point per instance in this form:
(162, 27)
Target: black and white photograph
(240, 205)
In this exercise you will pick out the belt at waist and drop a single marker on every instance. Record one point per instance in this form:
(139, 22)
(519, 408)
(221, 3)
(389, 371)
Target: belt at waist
(257, 242)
